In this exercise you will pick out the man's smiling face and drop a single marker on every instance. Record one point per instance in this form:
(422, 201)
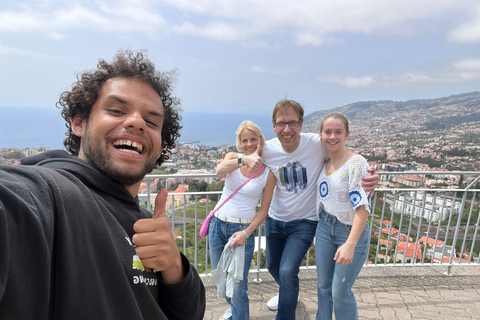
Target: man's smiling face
(122, 135)
(289, 138)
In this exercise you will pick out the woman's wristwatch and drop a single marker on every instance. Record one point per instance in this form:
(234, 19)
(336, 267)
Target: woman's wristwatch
(240, 160)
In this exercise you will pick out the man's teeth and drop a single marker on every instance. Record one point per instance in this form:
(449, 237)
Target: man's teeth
(129, 151)
(136, 148)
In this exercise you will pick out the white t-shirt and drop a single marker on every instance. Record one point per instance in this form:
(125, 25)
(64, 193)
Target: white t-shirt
(341, 192)
(294, 197)
(243, 203)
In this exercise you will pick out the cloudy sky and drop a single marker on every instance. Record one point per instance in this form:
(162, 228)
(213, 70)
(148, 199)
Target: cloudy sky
(243, 56)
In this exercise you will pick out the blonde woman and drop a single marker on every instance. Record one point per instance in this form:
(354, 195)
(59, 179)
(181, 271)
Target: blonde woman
(237, 218)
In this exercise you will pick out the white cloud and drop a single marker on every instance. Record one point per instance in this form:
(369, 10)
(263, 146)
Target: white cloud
(468, 32)
(262, 70)
(55, 19)
(258, 69)
(349, 82)
(5, 50)
(466, 70)
(305, 22)
(215, 30)
(471, 64)
(317, 23)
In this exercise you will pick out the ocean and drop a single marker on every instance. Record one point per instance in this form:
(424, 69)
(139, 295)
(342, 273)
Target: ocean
(30, 127)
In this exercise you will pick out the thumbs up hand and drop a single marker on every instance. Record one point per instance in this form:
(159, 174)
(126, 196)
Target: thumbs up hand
(223, 158)
(259, 149)
(155, 243)
(254, 160)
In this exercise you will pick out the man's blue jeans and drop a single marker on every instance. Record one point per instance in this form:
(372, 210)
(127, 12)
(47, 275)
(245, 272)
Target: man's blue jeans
(335, 281)
(218, 234)
(287, 244)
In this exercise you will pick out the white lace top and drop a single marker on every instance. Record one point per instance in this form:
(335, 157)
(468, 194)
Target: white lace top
(341, 192)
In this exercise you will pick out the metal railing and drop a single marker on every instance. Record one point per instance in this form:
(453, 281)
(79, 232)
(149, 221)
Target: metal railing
(409, 226)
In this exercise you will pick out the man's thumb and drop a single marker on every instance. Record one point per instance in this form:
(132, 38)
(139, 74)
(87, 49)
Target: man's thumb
(160, 203)
(223, 155)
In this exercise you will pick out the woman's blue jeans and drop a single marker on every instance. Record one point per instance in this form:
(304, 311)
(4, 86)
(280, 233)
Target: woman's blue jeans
(287, 244)
(335, 281)
(218, 234)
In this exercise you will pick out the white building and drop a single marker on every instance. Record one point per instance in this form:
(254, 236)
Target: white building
(431, 211)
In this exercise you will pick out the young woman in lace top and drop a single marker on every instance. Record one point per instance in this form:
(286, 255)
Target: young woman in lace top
(342, 236)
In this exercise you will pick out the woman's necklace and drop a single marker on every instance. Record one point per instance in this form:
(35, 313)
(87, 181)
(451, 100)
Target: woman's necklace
(332, 168)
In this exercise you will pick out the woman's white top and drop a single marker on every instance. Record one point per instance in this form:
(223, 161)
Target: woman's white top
(341, 192)
(243, 204)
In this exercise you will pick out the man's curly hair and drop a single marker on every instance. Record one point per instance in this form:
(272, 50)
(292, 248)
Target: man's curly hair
(126, 64)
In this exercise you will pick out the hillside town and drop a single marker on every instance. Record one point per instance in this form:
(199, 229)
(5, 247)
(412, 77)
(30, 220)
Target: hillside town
(427, 152)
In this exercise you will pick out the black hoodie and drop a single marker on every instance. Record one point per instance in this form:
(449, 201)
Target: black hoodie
(66, 251)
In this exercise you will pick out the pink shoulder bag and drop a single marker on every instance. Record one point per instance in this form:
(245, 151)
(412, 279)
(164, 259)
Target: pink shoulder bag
(204, 229)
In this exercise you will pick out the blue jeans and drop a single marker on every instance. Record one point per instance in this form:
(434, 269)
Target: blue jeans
(287, 244)
(335, 281)
(218, 234)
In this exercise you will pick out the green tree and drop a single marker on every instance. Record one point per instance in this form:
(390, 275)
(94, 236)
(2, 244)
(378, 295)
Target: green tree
(14, 155)
(372, 252)
(263, 259)
(311, 256)
(215, 187)
(173, 187)
(191, 231)
(197, 186)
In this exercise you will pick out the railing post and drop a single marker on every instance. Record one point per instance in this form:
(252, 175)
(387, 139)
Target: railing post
(149, 205)
(449, 271)
(259, 234)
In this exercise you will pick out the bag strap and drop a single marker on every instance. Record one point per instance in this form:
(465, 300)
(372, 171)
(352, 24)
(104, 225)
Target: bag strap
(231, 195)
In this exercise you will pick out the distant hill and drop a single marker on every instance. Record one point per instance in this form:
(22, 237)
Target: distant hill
(400, 116)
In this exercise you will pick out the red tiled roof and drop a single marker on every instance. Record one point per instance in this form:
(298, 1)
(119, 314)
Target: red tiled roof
(383, 242)
(410, 249)
(431, 241)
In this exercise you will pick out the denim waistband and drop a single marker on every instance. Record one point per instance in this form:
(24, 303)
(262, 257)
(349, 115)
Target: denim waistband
(325, 216)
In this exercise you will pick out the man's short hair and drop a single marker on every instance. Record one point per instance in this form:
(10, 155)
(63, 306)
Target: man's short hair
(285, 104)
(126, 64)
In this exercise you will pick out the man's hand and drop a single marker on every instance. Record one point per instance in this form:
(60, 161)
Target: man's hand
(254, 160)
(155, 243)
(223, 157)
(369, 183)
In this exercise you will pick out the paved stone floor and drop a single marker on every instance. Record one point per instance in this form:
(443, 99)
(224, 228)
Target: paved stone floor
(381, 292)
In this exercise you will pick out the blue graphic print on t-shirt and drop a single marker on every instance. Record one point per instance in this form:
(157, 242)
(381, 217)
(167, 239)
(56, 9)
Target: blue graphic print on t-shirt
(293, 176)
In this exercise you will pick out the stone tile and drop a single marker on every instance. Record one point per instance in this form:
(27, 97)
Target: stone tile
(388, 313)
(473, 308)
(430, 308)
(381, 293)
(435, 294)
(420, 315)
(371, 313)
(401, 312)
(452, 311)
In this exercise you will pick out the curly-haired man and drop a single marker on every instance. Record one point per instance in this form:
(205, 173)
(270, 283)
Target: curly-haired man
(74, 243)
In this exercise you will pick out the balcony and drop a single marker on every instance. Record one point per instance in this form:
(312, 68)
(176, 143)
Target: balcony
(423, 260)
